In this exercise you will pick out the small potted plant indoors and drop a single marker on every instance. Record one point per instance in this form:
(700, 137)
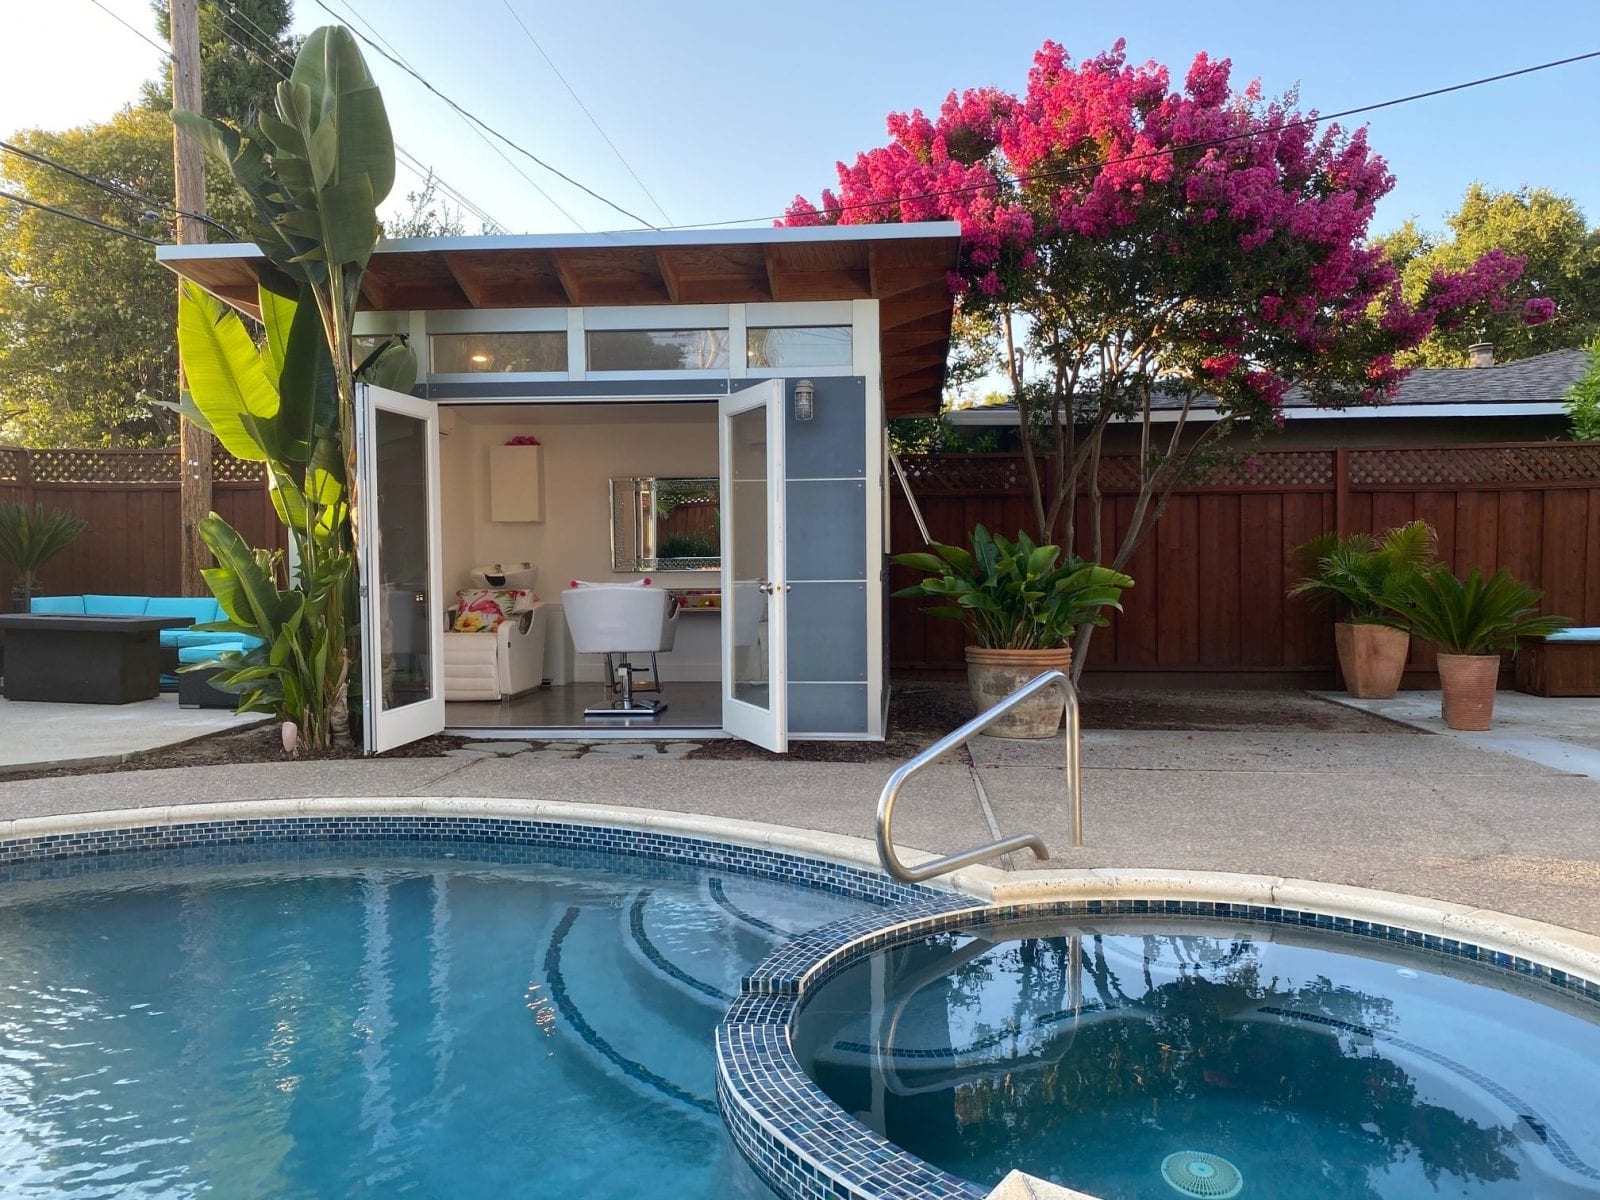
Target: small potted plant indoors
(31, 537)
(1021, 604)
(1360, 575)
(1470, 621)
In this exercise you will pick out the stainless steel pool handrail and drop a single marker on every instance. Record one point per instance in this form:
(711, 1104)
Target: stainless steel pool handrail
(1021, 841)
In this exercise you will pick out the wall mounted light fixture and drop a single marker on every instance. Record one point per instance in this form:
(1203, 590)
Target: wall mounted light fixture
(805, 398)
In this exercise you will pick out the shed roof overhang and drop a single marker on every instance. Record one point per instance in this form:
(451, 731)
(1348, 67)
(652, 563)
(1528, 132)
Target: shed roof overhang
(904, 267)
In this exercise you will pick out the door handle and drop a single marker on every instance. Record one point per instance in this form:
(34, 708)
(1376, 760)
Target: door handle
(767, 589)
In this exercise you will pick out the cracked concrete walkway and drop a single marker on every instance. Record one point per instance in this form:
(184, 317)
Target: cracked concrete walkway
(1426, 815)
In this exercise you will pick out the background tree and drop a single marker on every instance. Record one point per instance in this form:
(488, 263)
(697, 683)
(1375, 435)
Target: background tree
(1126, 238)
(1561, 266)
(87, 344)
(427, 214)
(245, 50)
(87, 317)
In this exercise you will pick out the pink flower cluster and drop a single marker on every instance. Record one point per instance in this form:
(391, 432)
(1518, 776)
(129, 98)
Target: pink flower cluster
(1203, 188)
(1537, 310)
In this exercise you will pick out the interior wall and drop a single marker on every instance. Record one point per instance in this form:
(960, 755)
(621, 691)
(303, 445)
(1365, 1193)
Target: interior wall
(584, 447)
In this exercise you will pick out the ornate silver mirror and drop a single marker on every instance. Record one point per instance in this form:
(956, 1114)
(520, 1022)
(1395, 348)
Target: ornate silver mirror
(665, 524)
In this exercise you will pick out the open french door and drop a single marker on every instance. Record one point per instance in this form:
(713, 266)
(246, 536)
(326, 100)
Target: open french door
(754, 590)
(402, 629)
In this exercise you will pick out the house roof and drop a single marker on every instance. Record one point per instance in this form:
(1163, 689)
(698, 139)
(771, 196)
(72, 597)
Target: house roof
(1527, 387)
(904, 267)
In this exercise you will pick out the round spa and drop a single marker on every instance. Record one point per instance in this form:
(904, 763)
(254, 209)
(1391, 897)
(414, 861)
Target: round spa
(382, 1006)
(1140, 1057)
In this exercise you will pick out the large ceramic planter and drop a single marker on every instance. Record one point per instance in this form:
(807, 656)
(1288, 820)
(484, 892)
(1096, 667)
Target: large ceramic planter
(1372, 659)
(992, 675)
(1468, 682)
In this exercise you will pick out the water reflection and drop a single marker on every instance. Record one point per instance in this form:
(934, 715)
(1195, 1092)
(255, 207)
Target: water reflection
(1074, 1056)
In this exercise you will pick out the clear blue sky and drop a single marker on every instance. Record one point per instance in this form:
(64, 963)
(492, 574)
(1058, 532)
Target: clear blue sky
(726, 109)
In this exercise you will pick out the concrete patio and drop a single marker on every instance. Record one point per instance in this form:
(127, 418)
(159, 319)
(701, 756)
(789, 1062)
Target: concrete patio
(1396, 811)
(35, 735)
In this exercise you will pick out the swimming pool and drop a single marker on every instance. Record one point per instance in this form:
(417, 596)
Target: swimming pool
(1142, 1058)
(357, 1017)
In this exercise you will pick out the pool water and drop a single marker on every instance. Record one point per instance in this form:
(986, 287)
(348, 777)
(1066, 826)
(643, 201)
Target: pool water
(377, 1026)
(1313, 1065)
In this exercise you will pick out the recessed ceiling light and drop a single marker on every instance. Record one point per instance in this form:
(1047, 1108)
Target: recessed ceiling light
(480, 358)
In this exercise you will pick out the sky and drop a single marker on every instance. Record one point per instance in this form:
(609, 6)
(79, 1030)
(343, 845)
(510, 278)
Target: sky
(725, 110)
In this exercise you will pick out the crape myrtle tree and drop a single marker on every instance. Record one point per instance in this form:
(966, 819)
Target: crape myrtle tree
(1124, 240)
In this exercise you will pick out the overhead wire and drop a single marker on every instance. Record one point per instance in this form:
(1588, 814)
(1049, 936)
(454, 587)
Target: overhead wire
(483, 137)
(122, 191)
(1165, 152)
(476, 120)
(576, 99)
(79, 217)
(164, 51)
(261, 38)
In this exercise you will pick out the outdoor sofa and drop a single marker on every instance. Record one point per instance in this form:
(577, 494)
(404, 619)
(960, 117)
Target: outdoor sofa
(179, 647)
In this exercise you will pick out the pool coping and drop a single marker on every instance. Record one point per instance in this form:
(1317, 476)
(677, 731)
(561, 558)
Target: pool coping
(791, 1133)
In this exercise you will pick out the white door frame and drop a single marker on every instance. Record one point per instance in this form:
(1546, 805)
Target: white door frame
(384, 730)
(769, 726)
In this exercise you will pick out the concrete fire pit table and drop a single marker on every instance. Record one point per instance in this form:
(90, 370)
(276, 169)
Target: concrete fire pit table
(84, 660)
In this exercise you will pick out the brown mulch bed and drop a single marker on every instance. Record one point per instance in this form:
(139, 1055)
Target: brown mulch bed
(920, 712)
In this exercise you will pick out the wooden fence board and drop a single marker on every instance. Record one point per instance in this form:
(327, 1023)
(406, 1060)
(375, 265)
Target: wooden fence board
(1210, 579)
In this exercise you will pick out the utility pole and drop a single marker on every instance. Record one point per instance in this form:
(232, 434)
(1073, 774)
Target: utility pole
(189, 175)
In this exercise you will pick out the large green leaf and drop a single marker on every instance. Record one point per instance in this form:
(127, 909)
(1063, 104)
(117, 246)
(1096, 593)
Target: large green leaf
(306, 388)
(226, 377)
(343, 91)
(239, 582)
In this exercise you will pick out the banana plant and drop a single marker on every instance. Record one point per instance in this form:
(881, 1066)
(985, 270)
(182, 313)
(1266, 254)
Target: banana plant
(314, 171)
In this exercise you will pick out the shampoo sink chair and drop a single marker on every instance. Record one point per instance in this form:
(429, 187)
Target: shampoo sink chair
(619, 620)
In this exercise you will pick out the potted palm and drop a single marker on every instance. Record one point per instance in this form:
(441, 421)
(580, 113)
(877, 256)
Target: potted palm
(1470, 621)
(31, 537)
(1021, 604)
(1360, 575)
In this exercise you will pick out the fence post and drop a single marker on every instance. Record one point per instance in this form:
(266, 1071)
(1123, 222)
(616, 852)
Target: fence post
(1341, 491)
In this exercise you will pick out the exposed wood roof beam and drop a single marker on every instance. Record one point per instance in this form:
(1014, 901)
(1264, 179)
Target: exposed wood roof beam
(568, 278)
(470, 283)
(670, 275)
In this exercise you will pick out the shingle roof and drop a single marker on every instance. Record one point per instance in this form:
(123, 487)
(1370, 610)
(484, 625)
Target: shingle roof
(1542, 379)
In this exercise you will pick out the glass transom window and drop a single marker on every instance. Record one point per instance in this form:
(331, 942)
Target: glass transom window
(799, 346)
(657, 349)
(499, 353)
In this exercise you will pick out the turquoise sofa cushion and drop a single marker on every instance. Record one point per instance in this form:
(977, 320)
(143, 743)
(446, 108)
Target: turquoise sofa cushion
(70, 605)
(200, 654)
(201, 608)
(115, 606)
(198, 637)
(1581, 633)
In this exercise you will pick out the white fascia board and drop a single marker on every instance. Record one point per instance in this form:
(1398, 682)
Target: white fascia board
(648, 238)
(1007, 417)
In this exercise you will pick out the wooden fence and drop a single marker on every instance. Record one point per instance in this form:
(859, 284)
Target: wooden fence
(130, 500)
(1210, 579)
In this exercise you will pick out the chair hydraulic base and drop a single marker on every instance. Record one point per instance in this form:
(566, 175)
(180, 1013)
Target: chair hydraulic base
(627, 705)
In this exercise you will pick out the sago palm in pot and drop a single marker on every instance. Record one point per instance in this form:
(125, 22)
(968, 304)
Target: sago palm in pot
(1361, 576)
(1470, 621)
(31, 537)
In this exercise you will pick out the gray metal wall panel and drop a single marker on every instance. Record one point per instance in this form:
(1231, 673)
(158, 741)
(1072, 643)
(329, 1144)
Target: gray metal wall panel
(827, 632)
(827, 529)
(827, 708)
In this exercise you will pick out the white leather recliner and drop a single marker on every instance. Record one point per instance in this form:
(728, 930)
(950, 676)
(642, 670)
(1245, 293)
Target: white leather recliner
(618, 620)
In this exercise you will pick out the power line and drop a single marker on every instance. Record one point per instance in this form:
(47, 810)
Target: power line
(408, 160)
(165, 51)
(579, 102)
(560, 174)
(119, 190)
(1099, 164)
(476, 130)
(79, 217)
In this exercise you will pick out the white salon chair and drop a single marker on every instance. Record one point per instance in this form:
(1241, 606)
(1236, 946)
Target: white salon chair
(503, 662)
(619, 620)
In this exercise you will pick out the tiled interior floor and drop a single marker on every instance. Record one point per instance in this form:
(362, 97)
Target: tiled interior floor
(689, 706)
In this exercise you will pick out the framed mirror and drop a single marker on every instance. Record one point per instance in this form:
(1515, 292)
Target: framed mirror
(662, 524)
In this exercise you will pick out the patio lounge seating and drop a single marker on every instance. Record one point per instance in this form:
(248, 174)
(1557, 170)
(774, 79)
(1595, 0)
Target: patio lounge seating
(203, 609)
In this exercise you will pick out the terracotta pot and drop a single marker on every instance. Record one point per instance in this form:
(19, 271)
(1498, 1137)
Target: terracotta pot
(992, 675)
(1371, 658)
(1468, 682)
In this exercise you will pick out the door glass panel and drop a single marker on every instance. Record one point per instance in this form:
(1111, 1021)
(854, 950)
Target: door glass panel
(746, 517)
(401, 454)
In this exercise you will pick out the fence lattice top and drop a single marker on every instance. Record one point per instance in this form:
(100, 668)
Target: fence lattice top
(1276, 470)
(115, 466)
